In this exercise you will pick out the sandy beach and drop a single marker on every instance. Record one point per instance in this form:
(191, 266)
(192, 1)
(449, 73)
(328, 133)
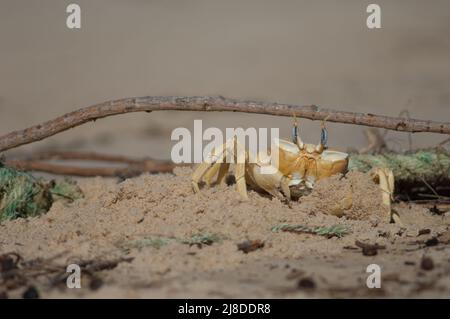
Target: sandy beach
(146, 228)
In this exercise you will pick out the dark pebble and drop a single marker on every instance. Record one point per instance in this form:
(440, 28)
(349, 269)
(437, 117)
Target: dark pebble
(369, 251)
(250, 245)
(7, 263)
(95, 283)
(427, 263)
(306, 283)
(432, 242)
(424, 231)
(30, 293)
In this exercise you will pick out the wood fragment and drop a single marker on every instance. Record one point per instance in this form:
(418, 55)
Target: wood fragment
(375, 142)
(211, 104)
(250, 245)
(133, 167)
(85, 156)
(369, 249)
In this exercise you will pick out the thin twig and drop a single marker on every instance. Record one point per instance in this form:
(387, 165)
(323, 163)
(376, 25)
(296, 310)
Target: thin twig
(209, 103)
(62, 169)
(406, 114)
(444, 142)
(375, 142)
(85, 156)
(429, 187)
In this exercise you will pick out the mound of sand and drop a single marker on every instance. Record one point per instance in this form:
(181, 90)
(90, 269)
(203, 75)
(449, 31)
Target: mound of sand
(156, 219)
(355, 196)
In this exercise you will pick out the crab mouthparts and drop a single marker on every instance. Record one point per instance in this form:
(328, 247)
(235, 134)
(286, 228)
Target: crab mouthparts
(296, 179)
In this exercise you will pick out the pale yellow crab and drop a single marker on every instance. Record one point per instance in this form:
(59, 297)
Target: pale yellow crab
(288, 172)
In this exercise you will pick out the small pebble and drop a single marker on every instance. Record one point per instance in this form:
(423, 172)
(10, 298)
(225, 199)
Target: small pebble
(95, 283)
(432, 242)
(369, 251)
(250, 245)
(424, 231)
(306, 283)
(427, 263)
(30, 293)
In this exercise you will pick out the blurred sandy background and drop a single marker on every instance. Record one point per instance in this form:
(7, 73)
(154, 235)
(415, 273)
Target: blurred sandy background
(299, 52)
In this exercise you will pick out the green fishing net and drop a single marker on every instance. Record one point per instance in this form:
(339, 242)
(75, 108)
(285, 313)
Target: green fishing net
(431, 164)
(22, 195)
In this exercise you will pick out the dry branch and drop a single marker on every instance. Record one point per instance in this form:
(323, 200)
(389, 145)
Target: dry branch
(215, 104)
(134, 168)
(86, 156)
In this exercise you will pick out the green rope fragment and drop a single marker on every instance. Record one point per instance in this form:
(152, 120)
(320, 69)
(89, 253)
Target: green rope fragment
(335, 230)
(431, 164)
(160, 241)
(202, 239)
(22, 195)
(332, 231)
(66, 189)
(157, 242)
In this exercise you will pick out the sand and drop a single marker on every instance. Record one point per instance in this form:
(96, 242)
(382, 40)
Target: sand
(301, 52)
(113, 217)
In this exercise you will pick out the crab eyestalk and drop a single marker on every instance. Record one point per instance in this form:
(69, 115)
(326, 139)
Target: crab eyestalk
(323, 139)
(296, 136)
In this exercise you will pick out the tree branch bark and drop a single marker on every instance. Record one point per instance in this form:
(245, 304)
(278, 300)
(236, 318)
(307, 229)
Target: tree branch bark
(214, 104)
(64, 169)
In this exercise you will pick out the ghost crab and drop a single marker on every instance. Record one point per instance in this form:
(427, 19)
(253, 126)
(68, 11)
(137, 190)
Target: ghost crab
(288, 172)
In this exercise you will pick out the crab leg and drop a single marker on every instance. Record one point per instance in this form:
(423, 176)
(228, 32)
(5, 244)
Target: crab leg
(198, 174)
(285, 187)
(385, 178)
(211, 172)
(222, 168)
(240, 157)
(215, 159)
(216, 162)
(240, 181)
(222, 172)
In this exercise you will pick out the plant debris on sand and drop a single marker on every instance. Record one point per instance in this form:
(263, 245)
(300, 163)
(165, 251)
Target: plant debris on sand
(180, 244)
(22, 195)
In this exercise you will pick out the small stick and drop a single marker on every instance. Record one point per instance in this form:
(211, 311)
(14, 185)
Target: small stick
(376, 142)
(208, 104)
(406, 114)
(444, 142)
(128, 171)
(85, 156)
